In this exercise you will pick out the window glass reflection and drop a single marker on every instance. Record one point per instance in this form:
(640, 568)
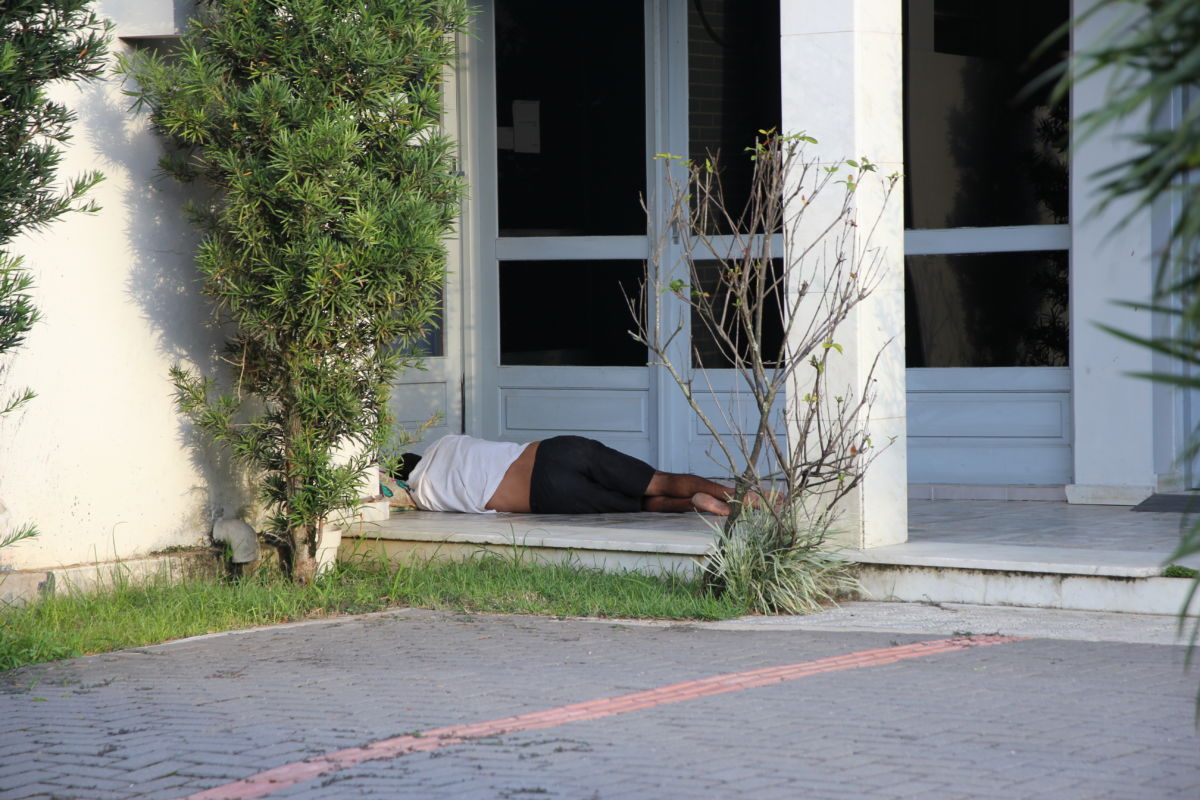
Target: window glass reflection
(989, 310)
(975, 153)
(733, 85)
(570, 117)
(569, 313)
(711, 351)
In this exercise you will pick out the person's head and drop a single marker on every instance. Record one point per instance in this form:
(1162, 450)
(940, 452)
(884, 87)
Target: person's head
(408, 462)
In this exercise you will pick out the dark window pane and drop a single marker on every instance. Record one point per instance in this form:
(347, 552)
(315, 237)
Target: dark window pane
(167, 47)
(975, 155)
(569, 313)
(570, 111)
(430, 346)
(990, 310)
(433, 343)
(713, 352)
(733, 85)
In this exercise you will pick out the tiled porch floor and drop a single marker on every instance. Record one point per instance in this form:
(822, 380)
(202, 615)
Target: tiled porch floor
(1043, 524)
(1035, 536)
(1006, 529)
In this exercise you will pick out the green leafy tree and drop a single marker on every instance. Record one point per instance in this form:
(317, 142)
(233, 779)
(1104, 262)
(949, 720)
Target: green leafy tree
(41, 42)
(316, 126)
(1150, 52)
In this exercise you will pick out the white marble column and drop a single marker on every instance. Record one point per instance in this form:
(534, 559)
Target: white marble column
(842, 83)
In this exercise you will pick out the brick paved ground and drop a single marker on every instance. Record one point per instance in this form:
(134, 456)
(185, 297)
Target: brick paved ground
(1039, 718)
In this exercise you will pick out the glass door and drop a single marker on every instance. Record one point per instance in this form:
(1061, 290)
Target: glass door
(563, 231)
(576, 99)
(986, 267)
(733, 93)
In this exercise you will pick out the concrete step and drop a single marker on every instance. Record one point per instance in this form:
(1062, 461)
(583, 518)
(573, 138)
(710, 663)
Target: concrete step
(642, 542)
(918, 571)
(1038, 577)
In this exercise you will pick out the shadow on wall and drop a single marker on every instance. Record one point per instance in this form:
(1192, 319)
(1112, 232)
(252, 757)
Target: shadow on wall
(163, 283)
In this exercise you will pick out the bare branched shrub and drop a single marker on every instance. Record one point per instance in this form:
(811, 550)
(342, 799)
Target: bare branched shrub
(768, 286)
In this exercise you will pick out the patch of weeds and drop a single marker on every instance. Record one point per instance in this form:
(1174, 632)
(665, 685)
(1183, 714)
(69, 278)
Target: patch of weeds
(1179, 571)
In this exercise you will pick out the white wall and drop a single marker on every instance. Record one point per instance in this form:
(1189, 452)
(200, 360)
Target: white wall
(100, 460)
(1114, 415)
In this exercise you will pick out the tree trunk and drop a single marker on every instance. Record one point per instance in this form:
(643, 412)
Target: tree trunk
(304, 544)
(304, 564)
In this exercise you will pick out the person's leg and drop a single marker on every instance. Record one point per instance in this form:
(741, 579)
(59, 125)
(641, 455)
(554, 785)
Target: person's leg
(671, 491)
(673, 484)
(574, 475)
(676, 505)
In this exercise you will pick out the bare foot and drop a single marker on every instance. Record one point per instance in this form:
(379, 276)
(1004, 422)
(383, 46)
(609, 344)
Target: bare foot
(706, 502)
(772, 500)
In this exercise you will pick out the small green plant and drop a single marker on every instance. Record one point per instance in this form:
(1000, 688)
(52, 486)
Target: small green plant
(777, 562)
(1179, 571)
(316, 127)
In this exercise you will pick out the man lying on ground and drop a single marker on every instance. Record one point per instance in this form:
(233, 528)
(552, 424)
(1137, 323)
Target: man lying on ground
(562, 475)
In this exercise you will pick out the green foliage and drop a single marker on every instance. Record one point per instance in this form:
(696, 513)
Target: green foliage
(17, 535)
(1150, 56)
(316, 126)
(779, 563)
(127, 614)
(1179, 571)
(41, 42)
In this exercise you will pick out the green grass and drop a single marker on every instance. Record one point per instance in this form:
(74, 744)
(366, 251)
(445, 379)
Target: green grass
(133, 615)
(1179, 571)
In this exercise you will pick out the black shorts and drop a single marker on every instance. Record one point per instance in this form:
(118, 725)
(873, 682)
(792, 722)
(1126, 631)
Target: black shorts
(574, 475)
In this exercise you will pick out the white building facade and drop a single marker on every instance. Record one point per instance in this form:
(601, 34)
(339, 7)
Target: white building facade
(996, 382)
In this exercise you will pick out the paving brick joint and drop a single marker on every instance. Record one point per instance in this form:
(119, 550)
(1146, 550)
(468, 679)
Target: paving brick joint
(1030, 719)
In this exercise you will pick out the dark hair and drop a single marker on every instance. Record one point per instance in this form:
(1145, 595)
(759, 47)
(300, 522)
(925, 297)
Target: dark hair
(408, 462)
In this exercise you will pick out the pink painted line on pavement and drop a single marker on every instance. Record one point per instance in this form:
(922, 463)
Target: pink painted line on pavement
(273, 780)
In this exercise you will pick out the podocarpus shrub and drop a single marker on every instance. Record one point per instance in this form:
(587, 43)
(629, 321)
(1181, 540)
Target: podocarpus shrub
(316, 126)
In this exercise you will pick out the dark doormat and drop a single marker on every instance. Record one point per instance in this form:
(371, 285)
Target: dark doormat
(1182, 503)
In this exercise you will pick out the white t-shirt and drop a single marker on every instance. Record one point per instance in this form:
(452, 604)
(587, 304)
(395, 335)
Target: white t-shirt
(461, 473)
